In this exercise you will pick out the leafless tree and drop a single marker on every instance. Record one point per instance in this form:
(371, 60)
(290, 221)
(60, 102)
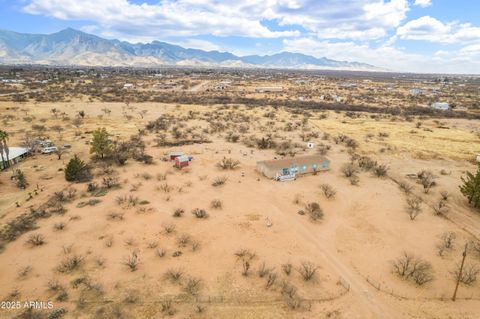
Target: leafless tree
(414, 207)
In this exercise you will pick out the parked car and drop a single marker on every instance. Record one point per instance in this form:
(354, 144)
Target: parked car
(49, 150)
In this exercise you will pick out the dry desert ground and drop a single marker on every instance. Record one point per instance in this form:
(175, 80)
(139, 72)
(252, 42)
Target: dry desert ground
(124, 249)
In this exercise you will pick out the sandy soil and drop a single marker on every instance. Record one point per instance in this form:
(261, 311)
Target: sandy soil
(364, 227)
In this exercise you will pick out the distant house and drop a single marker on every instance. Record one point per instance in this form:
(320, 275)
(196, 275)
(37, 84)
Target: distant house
(15, 155)
(265, 89)
(440, 106)
(478, 158)
(416, 91)
(128, 86)
(293, 166)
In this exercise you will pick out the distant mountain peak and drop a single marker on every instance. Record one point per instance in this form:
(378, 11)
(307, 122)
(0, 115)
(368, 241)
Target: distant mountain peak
(74, 47)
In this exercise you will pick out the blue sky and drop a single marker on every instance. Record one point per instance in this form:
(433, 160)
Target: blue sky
(404, 35)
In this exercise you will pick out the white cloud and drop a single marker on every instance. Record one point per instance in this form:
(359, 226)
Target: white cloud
(346, 19)
(430, 29)
(169, 17)
(389, 57)
(423, 3)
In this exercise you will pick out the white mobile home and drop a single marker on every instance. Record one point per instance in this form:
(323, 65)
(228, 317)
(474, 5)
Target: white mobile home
(15, 155)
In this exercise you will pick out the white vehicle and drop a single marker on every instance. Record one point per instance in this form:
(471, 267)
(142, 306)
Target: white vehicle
(286, 178)
(49, 150)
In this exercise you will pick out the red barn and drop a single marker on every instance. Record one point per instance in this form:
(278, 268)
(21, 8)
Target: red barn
(182, 161)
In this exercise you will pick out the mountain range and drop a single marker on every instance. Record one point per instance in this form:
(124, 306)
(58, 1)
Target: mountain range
(73, 47)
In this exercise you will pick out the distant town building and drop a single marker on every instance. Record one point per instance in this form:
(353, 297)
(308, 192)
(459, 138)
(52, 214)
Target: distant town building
(416, 91)
(440, 106)
(128, 86)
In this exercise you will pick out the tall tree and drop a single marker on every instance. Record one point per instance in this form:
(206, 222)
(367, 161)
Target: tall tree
(4, 147)
(101, 145)
(471, 187)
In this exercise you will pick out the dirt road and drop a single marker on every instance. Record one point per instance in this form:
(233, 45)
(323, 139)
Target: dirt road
(369, 300)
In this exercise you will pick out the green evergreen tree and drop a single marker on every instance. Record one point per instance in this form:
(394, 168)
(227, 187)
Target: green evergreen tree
(76, 170)
(471, 187)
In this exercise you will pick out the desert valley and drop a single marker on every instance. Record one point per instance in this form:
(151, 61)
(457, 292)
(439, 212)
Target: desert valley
(139, 194)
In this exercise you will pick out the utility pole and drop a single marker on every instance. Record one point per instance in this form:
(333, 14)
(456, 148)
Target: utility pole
(460, 272)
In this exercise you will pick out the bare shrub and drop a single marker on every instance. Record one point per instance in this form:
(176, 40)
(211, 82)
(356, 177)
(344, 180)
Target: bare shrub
(168, 228)
(131, 261)
(115, 216)
(380, 170)
(130, 241)
(110, 182)
(59, 226)
(469, 274)
(271, 279)
(297, 199)
(245, 257)
(166, 188)
(216, 204)
(167, 307)
(366, 163)
(287, 268)
(288, 289)
(354, 180)
(24, 271)
(54, 285)
(441, 208)
(161, 252)
(36, 240)
(200, 213)
(475, 247)
(349, 170)
(219, 181)
(414, 207)
(131, 297)
(174, 275)
(70, 263)
(195, 245)
(193, 286)
(152, 244)
(263, 270)
(413, 268)
(427, 179)
(445, 195)
(228, 163)
(178, 212)
(314, 210)
(405, 187)
(183, 240)
(109, 242)
(446, 242)
(307, 270)
(328, 191)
